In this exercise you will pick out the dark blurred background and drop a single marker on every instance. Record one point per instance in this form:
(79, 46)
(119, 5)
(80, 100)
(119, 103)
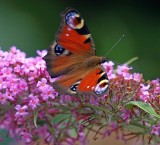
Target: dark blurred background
(31, 25)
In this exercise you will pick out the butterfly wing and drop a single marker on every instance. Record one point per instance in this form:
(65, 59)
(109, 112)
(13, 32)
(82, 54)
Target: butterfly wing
(73, 39)
(94, 82)
(74, 34)
(84, 81)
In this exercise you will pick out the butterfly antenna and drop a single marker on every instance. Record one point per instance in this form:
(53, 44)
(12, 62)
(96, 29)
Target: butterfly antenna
(115, 45)
(128, 62)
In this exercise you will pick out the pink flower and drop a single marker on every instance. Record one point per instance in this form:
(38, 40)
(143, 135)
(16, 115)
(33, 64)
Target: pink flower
(108, 66)
(156, 84)
(23, 86)
(26, 136)
(144, 93)
(49, 92)
(7, 72)
(14, 89)
(126, 115)
(17, 69)
(9, 96)
(144, 88)
(66, 99)
(137, 77)
(82, 137)
(34, 101)
(43, 132)
(42, 85)
(109, 69)
(124, 71)
(127, 76)
(40, 65)
(41, 53)
(21, 111)
(94, 101)
(1, 81)
(156, 130)
(3, 98)
(28, 67)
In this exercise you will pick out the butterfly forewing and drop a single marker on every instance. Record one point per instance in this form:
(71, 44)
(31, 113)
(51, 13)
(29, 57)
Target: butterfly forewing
(73, 39)
(74, 34)
(83, 81)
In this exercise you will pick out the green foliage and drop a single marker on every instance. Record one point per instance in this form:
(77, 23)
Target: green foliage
(144, 106)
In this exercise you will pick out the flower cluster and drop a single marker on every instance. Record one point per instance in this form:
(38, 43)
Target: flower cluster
(24, 87)
(31, 109)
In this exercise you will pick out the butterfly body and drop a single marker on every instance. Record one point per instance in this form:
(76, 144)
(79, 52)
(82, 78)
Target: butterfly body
(72, 59)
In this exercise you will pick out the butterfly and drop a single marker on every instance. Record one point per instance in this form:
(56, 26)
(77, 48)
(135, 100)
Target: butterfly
(72, 59)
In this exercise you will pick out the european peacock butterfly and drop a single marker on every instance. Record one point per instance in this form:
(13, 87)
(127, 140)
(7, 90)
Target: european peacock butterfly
(72, 59)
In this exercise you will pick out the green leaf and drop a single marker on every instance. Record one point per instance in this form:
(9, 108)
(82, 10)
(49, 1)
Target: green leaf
(59, 118)
(35, 117)
(144, 106)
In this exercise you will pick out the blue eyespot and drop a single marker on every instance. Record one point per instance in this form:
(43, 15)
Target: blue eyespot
(69, 15)
(72, 19)
(58, 49)
(74, 87)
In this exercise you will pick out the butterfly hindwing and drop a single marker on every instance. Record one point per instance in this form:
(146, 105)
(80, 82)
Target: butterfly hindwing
(84, 81)
(95, 82)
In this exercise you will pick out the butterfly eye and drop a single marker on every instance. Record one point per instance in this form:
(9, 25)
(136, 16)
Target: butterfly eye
(58, 49)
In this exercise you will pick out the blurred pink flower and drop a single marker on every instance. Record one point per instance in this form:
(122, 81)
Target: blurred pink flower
(21, 111)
